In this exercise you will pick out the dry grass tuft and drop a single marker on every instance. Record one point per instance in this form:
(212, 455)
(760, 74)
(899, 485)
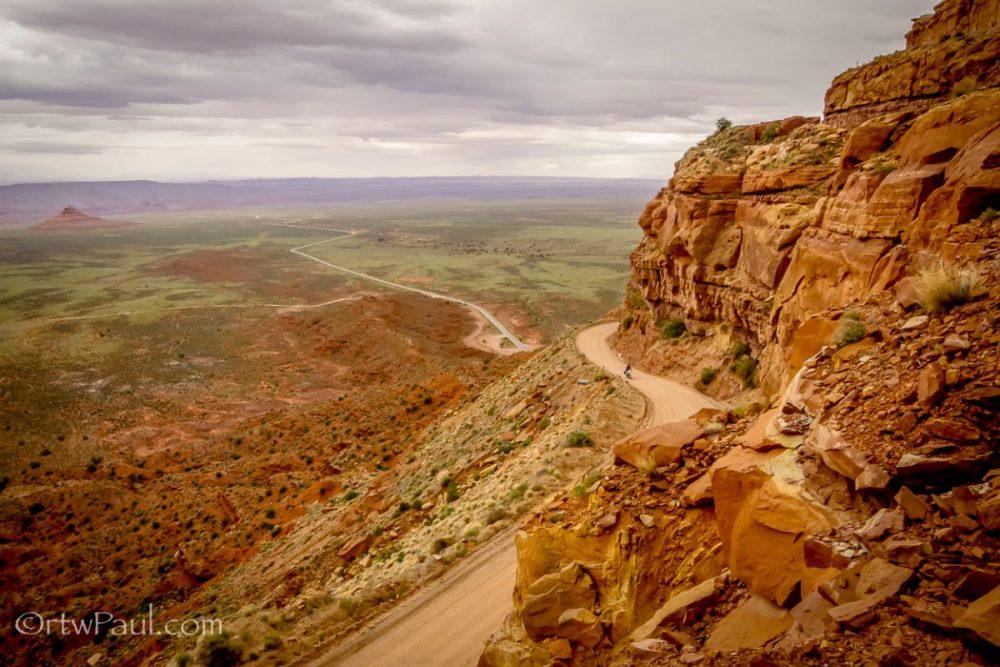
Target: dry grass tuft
(945, 286)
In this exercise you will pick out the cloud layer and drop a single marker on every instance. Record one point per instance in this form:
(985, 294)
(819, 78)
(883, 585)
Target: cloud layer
(191, 89)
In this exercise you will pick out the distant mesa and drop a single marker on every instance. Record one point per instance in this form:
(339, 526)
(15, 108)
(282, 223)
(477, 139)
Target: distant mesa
(73, 219)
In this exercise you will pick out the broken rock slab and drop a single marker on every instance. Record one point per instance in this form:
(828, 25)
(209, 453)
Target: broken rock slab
(550, 595)
(659, 446)
(687, 601)
(751, 625)
(983, 617)
(883, 522)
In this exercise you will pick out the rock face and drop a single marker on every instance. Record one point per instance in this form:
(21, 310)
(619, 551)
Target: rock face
(952, 51)
(73, 219)
(764, 226)
(853, 516)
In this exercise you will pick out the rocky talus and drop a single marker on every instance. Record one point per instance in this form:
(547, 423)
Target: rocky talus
(851, 515)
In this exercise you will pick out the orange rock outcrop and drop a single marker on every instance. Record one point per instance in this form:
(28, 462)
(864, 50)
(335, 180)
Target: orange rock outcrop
(763, 226)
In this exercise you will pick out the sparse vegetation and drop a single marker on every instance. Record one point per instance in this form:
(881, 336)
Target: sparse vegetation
(745, 368)
(769, 133)
(708, 375)
(628, 321)
(738, 349)
(634, 299)
(221, 650)
(672, 327)
(579, 439)
(723, 124)
(583, 486)
(943, 287)
(850, 330)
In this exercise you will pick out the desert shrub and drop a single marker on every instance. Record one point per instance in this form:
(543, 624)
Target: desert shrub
(634, 299)
(600, 376)
(518, 492)
(183, 660)
(495, 514)
(440, 544)
(36, 508)
(545, 423)
(351, 495)
(645, 463)
(628, 321)
(745, 368)
(738, 349)
(884, 168)
(708, 374)
(580, 490)
(945, 286)
(989, 215)
(769, 133)
(220, 650)
(451, 491)
(272, 642)
(472, 532)
(579, 439)
(723, 124)
(850, 330)
(672, 327)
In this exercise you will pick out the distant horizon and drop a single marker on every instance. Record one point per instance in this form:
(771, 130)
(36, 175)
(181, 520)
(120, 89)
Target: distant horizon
(25, 201)
(326, 178)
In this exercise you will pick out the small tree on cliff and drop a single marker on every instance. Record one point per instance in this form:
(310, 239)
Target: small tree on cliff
(723, 124)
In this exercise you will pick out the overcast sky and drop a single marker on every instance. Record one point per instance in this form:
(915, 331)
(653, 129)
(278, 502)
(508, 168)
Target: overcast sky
(187, 90)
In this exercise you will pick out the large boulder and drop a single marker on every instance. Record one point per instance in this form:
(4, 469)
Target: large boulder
(658, 446)
(764, 519)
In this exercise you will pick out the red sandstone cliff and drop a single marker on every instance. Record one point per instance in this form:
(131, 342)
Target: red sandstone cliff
(856, 520)
(763, 226)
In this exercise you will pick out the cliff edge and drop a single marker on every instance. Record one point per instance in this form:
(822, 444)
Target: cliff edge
(837, 279)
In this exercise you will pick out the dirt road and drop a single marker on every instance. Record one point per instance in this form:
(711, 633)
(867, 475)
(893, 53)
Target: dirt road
(479, 311)
(669, 400)
(446, 624)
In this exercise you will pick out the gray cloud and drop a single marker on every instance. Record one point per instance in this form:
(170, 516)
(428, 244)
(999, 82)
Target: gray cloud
(49, 147)
(182, 88)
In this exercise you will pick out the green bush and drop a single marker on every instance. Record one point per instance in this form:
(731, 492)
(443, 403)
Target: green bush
(769, 133)
(634, 299)
(220, 650)
(628, 321)
(708, 374)
(451, 491)
(944, 287)
(989, 215)
(672, 327)
(579, 439)
(850, 330)
(745, 368)
(723, 124)
(738, 349)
